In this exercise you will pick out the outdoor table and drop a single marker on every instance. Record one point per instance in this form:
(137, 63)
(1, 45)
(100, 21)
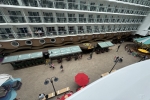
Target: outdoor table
(10, 59)
(64, 97)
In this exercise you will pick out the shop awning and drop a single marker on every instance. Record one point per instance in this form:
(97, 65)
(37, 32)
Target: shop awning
(64, 51)
(105, 44)
(9, 59)
(109, 43)
(15, 58)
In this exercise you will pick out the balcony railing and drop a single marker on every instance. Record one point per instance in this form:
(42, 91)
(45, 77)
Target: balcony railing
(17, 19)
(34, 19)
(38, 34)
(24, 35)
(62, 32)
(7, 36)
(51, 33)
(49, 19)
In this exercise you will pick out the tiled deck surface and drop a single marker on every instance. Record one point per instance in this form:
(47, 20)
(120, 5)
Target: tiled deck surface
(33, 77)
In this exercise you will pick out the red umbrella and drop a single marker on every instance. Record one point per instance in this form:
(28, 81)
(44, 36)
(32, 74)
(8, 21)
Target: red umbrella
(81, 79)
(66, 96)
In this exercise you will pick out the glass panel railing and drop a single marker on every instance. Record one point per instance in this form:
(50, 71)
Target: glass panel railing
(24, 35)
(32, 3)
(72, 32)
(89, 31)
(82, 20)
(72, 20)
(91, 20)
(9, 2)
(93, 8)
(51, 33)
(62, 32)
(47, 5)
(73, 5)
(60, 5)
(99, 20)
(81, 31)
(61, 19)
(2, 19)
(16, 19)
(83, 7)
(49, 19)
(34, 19)
(38, 34)
(7, 36)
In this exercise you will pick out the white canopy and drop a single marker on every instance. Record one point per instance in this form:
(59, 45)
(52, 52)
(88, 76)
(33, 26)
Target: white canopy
(129, 83)
(4, 78)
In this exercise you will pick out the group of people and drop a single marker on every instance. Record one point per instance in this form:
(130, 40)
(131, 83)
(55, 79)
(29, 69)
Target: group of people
(53, 67)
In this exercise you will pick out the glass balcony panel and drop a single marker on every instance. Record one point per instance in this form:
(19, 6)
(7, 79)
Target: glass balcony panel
(73, 6)
(62, 32)
(2, 19)
(49, 19)
(72, 32)
(93, 8)
(47, 4)
(83, 7)
(100, 20)
(51, 33)
(101, 9)
(60, 5)
(61, 20)
(32, 3)
(4, 36)
(82, 20)
(17, 19)
(24, 35)
(34, 19)
(91, 20)
(9, 2)
(72, 20)
(38, 34)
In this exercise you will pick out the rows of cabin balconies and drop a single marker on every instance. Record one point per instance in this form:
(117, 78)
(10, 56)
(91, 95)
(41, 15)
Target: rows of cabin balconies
(38, 32)
(79, 20)
(141, 2)
(82, 6)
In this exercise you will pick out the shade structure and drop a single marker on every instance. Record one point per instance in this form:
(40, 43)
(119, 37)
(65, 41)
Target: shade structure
(144, 40)
(64, 51)
(81, 79)
(105, 44)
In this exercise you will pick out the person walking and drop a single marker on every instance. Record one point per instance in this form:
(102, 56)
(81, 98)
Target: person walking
(52, 66)
(118, 47)
(61, 67)
(90, 56)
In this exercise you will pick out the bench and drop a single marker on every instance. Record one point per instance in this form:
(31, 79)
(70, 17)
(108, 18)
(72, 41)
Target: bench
(63, 90)
(50, 96)
(102, 75)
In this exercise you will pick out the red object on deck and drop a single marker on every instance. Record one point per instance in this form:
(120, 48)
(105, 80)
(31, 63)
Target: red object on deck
(81, 79)
(66, 96)
(80, 88)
